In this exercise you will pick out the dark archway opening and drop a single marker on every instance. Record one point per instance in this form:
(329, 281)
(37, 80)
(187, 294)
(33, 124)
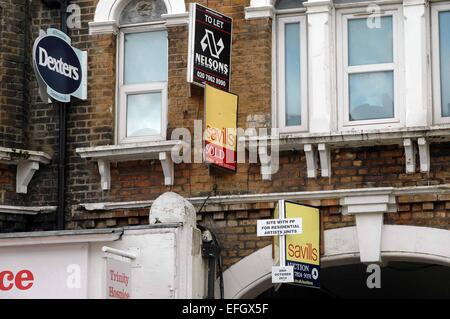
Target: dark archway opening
(398, 280)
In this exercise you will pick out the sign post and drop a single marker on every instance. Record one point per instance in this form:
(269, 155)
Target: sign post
(209, 59)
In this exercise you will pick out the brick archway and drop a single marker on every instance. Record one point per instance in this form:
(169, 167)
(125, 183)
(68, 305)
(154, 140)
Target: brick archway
(252, 275)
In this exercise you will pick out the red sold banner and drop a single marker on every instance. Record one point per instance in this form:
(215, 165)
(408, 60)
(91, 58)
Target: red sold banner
(220, 128)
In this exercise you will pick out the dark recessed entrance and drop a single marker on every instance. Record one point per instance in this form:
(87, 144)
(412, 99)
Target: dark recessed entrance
(398, 280)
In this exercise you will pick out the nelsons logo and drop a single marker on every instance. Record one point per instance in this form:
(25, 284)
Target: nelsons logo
(60, 68)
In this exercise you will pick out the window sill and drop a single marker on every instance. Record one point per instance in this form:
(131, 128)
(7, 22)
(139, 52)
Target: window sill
(27, 163)
(27, 210)
(317, 146)
(364, 137)
(104, 155)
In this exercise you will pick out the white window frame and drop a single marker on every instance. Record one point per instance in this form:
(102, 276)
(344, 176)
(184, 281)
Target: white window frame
(124, 90)
(281, 21)
(436, 64)
(343, 70)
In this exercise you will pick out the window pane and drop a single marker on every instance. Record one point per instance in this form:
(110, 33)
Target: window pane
(292, 73)
(444, 56)
(370, 41)
(144, 114)
(371, 95)
(145, 57)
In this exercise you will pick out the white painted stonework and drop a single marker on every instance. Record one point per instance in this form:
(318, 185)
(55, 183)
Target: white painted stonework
(156, 150)
(369, 212)
(27, 163)
(320, 55)
(260, 9)
(172, 208)
(416, 62)
(107, 15)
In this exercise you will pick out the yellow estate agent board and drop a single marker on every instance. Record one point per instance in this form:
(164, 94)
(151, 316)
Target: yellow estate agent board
(303, 251)
(220, 128)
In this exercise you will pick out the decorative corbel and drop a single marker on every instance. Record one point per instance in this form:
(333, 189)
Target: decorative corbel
(25, 171)
(325, 160)
(311, 160)
(105, 175)
(424, 154)
(168, 167)
(410, 155)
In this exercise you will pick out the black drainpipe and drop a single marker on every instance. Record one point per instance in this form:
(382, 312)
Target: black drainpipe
(60, 217)
(60, 220)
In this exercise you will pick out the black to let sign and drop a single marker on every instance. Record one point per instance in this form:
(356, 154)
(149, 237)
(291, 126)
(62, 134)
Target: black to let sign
(209, 47)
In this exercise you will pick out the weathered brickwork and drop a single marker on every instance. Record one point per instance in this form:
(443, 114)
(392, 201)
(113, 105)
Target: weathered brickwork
(13, 57)
(92, 123)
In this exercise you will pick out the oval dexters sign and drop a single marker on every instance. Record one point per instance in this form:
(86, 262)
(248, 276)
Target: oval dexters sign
(58, 64)
(60, 68)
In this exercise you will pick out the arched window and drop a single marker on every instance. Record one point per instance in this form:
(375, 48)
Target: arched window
(142, 72)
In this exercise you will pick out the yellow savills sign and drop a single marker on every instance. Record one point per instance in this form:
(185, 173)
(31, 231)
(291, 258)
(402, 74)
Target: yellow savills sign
(220, 127)
(302, 251)
(304, 248)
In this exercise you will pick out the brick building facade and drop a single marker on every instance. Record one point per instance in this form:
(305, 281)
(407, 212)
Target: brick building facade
(407, 161)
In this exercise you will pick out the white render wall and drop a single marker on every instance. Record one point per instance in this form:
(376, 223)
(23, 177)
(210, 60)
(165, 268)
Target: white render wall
(168, 261)
(161, 270)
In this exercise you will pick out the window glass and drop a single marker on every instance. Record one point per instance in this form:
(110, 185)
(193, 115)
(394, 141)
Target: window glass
(371, 95)
(145, 57)
(370, 42)
(292, 74)
(143, 114)
(444, 57)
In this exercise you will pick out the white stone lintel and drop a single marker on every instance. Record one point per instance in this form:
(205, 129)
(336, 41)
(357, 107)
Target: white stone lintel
(318, 6)
(176, 19)
(103, 27)
(408, 3)
(259, 12)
